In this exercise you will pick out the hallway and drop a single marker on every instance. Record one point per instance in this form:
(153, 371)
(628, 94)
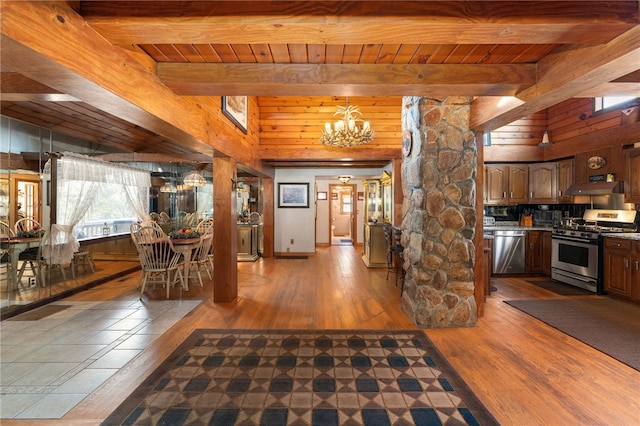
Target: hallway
(524, 371)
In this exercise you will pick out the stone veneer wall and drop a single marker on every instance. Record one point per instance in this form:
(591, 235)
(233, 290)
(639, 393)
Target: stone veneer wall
(439, 215)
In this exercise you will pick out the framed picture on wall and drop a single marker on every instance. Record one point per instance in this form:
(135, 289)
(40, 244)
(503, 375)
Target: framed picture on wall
(360, 196)
(322, 195)
(293, 195)
(236, 109)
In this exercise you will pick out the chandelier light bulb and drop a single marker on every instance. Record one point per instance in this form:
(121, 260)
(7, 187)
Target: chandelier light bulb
(351, 130)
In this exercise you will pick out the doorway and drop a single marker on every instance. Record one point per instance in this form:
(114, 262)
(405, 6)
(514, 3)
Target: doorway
(342, 215)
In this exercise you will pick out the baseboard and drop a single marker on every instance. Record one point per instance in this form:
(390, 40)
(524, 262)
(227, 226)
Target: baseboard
(294, 253)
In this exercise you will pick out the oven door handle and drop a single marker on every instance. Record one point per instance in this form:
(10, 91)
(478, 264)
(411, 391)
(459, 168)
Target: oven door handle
(577, 240)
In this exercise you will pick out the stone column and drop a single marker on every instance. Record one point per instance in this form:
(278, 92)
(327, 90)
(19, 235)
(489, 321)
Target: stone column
(439, 216)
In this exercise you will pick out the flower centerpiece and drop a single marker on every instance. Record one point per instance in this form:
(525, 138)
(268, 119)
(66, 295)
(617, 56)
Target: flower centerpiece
(183, 233)
(35, 232)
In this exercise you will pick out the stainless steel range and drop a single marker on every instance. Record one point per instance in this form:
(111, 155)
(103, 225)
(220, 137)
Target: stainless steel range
(576, 246)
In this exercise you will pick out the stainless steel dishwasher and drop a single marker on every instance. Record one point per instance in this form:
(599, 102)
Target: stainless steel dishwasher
(509, 252)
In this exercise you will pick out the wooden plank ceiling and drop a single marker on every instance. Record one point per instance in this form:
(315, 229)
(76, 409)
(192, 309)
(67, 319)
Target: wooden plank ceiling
(297, 49)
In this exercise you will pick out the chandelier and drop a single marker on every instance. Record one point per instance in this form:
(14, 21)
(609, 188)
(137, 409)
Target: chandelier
(194, 179)
(350, 131)
(344, 179)
(169, 187)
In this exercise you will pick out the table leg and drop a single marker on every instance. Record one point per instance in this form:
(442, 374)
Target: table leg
(187, 265)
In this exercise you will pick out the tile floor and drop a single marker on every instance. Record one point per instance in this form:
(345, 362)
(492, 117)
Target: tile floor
(49, 365)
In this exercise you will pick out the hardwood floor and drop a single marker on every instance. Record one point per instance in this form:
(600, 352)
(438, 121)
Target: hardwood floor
(525, 372)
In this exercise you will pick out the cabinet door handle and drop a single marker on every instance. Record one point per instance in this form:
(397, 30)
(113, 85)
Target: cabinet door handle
(560, 193)
(637, 266)
(504, 195)
(511, 194)
(616, 244)
(531, 194)
(626, 263)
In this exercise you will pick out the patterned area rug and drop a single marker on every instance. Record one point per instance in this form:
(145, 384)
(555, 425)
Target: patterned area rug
(303, 377)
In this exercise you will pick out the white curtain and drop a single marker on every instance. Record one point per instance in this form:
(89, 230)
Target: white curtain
(79, 180)
(204, 200)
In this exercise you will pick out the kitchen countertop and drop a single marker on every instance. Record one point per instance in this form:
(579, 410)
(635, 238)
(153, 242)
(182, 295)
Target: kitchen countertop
(625, 236)
(517, 228)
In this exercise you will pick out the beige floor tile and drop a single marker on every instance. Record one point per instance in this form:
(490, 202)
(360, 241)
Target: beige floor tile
(62, 353)
(138, 341)
(51, 406)
(43, 374)
(116, 358)
(86, 381)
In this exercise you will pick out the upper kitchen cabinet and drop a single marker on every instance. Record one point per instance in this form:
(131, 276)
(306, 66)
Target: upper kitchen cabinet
(632, 177)
(543, 183)
(506, 184)
(565, 179)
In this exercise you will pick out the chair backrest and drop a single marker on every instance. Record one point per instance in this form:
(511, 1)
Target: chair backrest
(134, 227)
(204, 224)
(5, 230)
(387, 235)
(155, 249)
(201, 252)
(26, 224)
(164, 217)
(397, 237)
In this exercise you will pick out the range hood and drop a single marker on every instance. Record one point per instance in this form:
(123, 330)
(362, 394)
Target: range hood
(596, 188)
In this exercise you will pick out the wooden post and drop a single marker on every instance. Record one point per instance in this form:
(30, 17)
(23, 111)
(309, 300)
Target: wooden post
(225, 242)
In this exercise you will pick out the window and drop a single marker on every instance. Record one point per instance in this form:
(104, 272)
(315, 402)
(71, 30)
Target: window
(345, 203)
(611, 102)
(110, 208)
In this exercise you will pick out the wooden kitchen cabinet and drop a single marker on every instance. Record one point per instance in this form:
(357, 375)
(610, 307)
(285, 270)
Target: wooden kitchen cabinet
(534, 252)
(543, 183)
(506, 184)
(487, 252)
(565, 179)
(622, 267)
(546, 253)
(632, 177)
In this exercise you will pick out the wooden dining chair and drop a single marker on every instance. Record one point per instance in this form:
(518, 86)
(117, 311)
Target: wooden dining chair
(202, 227)
(5, 260)
(200, 256)
(158, 258)
(26, 224)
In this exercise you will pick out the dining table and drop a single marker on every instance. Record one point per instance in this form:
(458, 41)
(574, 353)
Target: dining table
(185, 246)
(15, 246)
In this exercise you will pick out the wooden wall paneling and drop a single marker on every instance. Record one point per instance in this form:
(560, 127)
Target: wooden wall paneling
(527, 131)
(298, 121)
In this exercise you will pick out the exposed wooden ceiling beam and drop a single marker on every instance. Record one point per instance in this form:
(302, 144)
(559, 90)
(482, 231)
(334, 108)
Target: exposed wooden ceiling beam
(49, 42)
(342, 79)
(18, 88)
(360, 22)
(564, 74)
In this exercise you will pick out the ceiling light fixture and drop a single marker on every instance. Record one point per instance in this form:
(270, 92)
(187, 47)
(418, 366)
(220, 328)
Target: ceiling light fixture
(350, 131)
(545, 139)
(168, 187)
(344, 179)
(194, 179)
